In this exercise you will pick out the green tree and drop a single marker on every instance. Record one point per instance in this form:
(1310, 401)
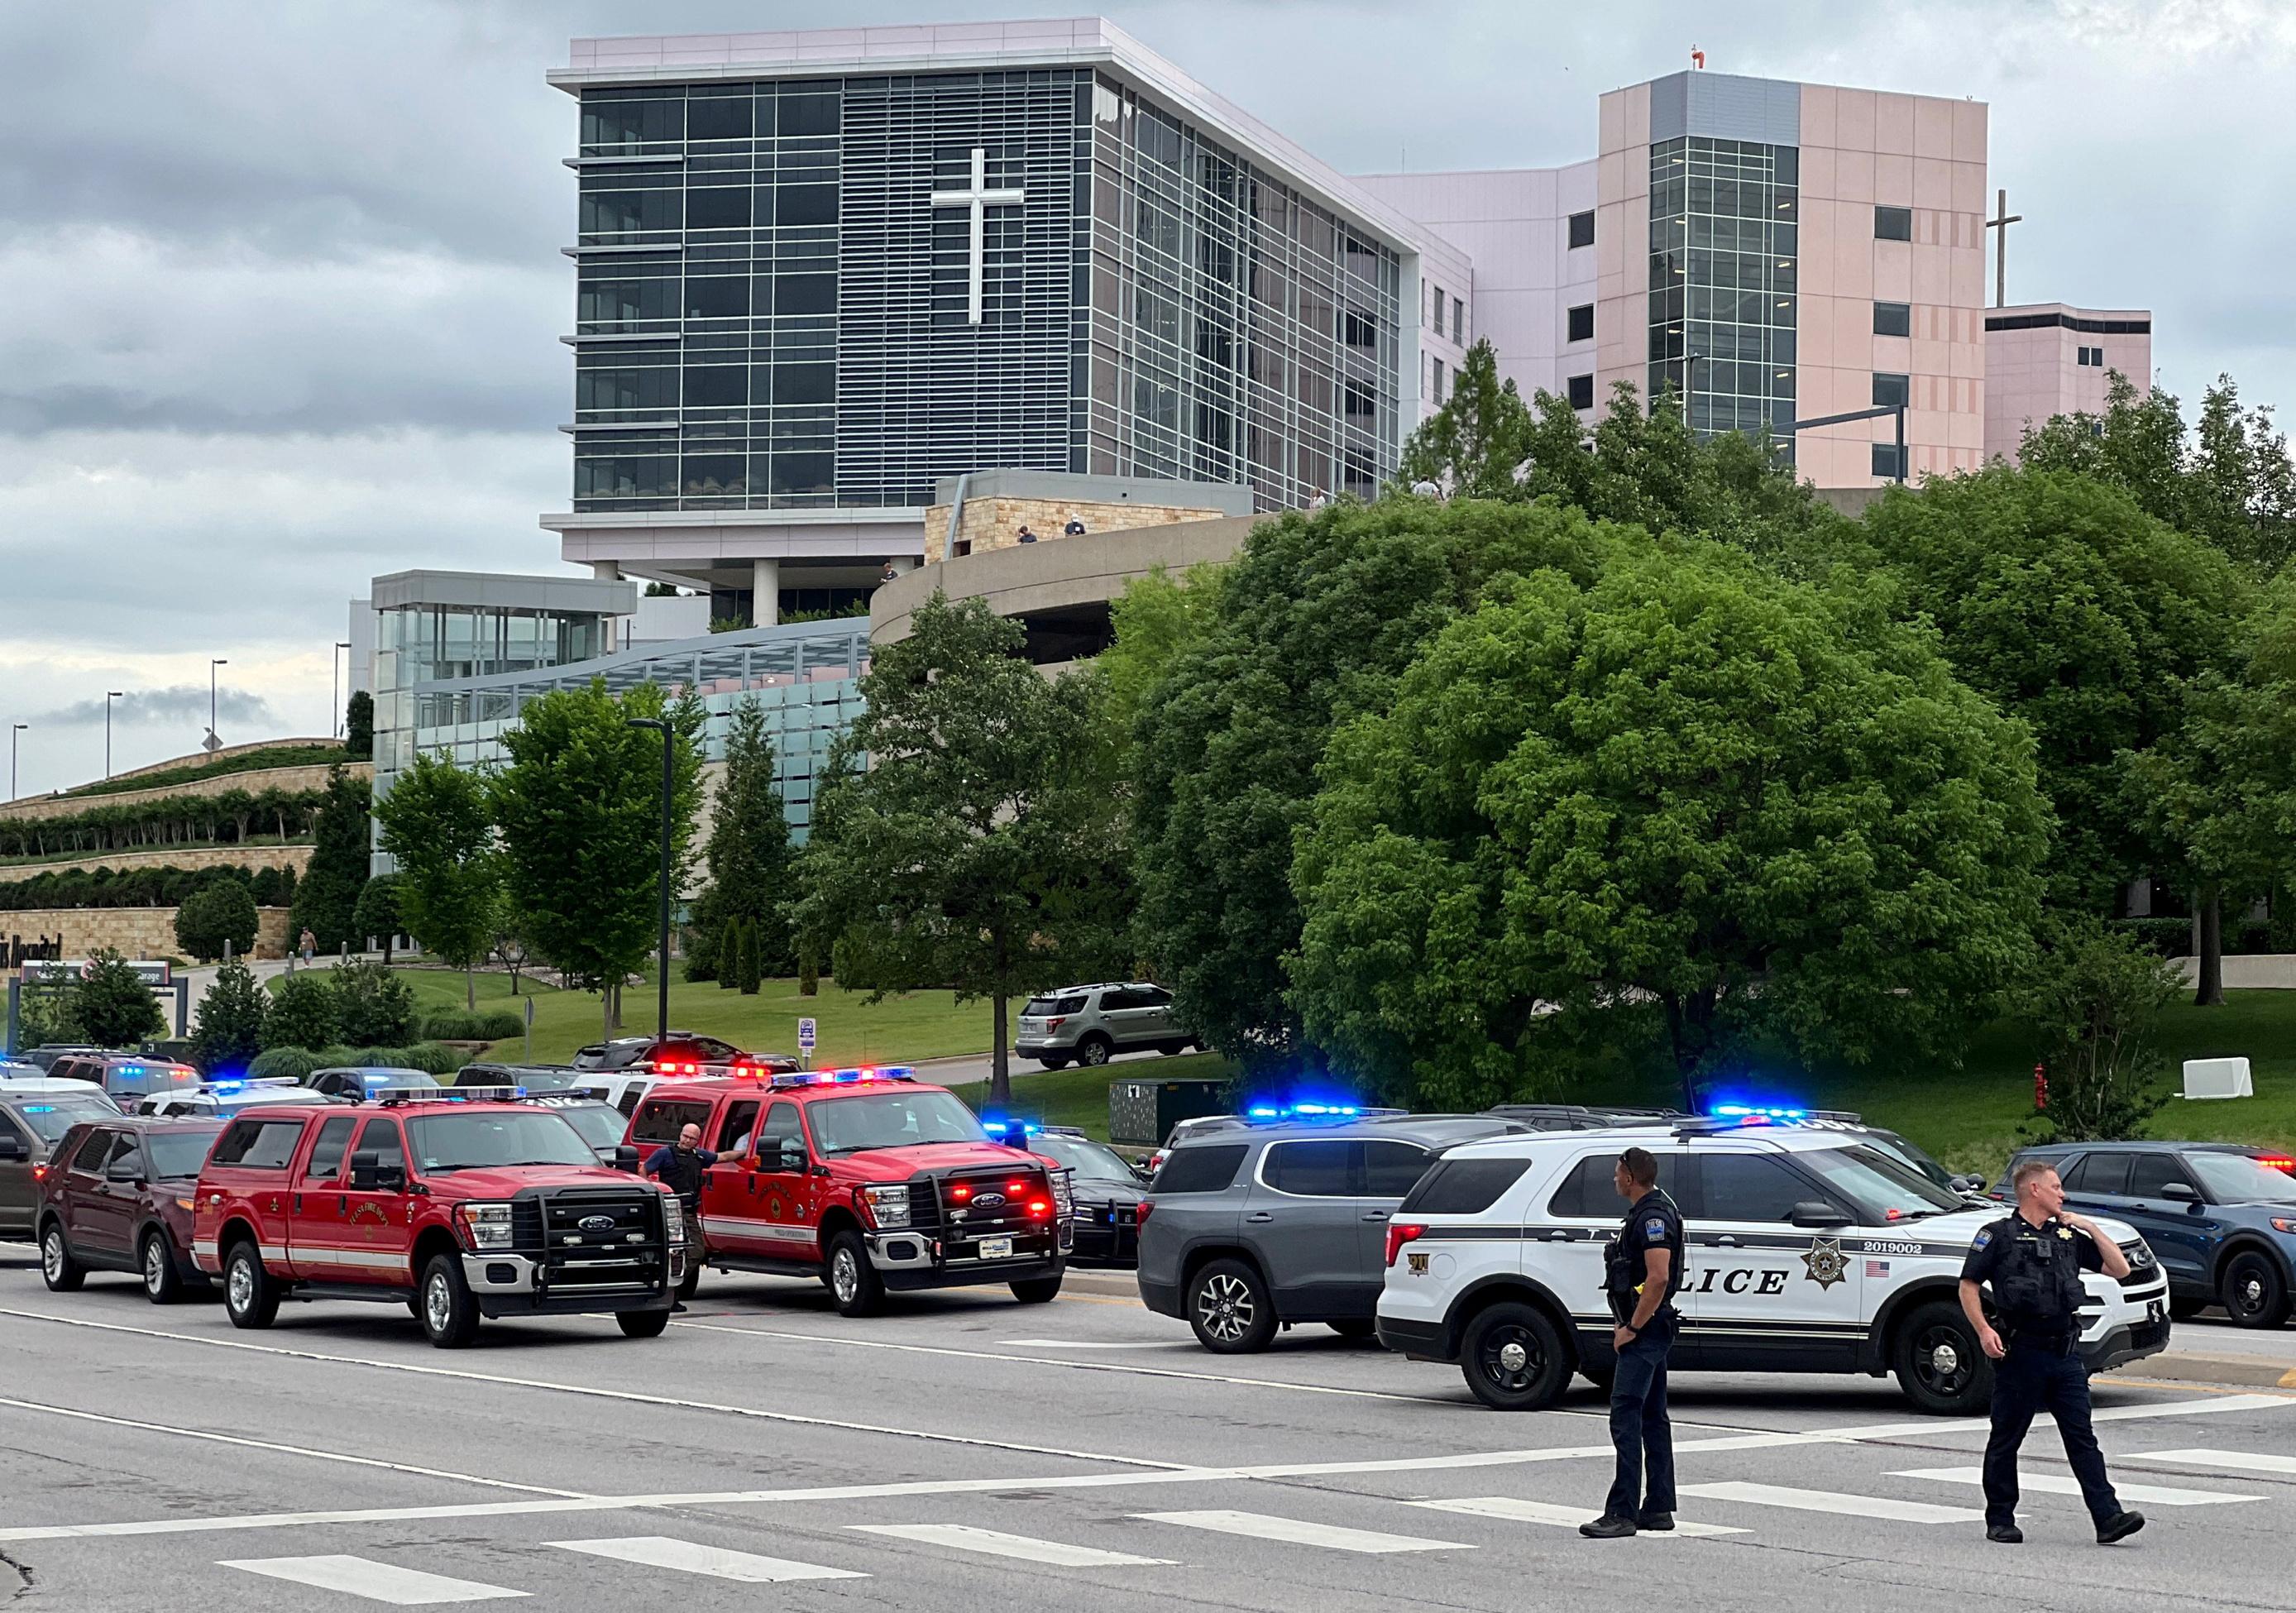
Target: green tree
(747, 974)
(2076, 612)
(305, 1012)
(1478, 443)
(326, 897)
(437, 821)
(219, 916)
(1154, 619)
(381, 913)
(981, 851)
(1770, 811)
(112, 1005)
(1313, 621)
(358, 727)
(578, 803)
(748, 854)
(725, 967)
(230, 1020)
(375, 1007)
(2094, 1004)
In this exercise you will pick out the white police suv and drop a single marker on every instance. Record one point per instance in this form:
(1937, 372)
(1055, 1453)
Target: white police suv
(1809, 1250)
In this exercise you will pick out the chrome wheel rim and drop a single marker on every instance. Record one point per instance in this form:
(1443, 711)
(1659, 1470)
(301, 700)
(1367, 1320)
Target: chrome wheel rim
(438, 1303)
(239, 1286)
(52, 1255)
(155, 1266)
(844, 1276)
(1224, 1307)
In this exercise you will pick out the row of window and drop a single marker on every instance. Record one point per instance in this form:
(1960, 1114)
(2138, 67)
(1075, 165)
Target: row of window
(1434, 315)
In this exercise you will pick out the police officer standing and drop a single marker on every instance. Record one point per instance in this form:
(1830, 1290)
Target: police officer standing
(1642, 1269)
(680, 1168)
(2034, 1260)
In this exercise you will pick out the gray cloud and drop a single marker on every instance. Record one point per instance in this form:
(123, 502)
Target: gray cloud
(177, 703)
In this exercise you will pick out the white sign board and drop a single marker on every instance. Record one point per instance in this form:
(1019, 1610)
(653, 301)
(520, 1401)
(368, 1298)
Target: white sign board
(805, 1036)
(2218, 1078)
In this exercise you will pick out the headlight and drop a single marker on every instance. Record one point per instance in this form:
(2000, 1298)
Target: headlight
(2140, 1256)
(1063, 1195)
(2284, 1223)
(889, 1207)
(485, 1226)
(673, 1218)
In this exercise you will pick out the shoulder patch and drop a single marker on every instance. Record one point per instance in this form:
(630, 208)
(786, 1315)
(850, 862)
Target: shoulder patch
(1983, 1239)
(1655, 1227)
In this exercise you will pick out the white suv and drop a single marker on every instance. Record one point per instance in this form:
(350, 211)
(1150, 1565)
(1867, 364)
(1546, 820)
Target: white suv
(1088, 1024)
(1809, 1250)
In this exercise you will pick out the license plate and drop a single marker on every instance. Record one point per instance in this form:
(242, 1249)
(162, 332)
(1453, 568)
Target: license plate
(997, 1249)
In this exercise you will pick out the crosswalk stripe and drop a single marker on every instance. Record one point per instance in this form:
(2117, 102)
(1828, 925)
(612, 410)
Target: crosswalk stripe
(2253, 1461)
(375, 1581)
(1549, 1512)
(1293, 1531)
(686, 1557)
(2061, 1483)
(996, 1542)
(1831, 1501)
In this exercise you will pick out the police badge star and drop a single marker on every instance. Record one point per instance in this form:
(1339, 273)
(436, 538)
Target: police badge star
(1825, 1263)
(2065, 1233)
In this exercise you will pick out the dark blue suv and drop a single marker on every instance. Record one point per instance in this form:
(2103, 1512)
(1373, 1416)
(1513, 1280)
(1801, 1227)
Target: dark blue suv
(2221, 1216)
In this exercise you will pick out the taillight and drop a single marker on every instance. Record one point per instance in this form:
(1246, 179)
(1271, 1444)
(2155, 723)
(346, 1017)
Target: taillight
(1016, 1187)
(1056, 1024)
(1140, 1215)
(39, 1173)
(1398, 1233)
(1040, 1208)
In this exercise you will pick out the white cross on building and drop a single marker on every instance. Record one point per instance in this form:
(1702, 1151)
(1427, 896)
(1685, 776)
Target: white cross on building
(979, 198)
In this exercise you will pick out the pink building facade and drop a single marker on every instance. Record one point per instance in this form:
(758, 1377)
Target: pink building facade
(2043, 359)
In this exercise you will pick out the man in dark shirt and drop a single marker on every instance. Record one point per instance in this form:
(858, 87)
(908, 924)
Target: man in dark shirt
(1026, 537)
(1075, 529)
(679, 1168)
(2033, 1260)
(1641, 1271)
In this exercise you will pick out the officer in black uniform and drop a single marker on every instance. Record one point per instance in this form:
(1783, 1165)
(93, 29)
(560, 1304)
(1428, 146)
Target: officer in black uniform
(682, 1167)
(2034, 1260)
(1642, 1270)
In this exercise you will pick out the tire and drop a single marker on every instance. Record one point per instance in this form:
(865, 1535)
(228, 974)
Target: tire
(1939, 1363)
(643, 1324)
(163, 1284)
(1514, 1359)
(2255, 1289)
(62, 1273)
(450, 1315)
(1037, 1290)
(2184, 1310)
(250, 1295)
(1231, 1309)
(1094, 1050)
(1355, 1327)
(854, 1286)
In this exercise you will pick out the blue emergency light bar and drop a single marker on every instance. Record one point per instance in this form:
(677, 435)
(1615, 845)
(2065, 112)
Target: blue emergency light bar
(1004, 1130)
(1315, 1110)
(445, 1094)
(847, 1076)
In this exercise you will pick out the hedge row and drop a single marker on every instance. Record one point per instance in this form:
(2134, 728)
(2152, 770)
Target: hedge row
(428, 1057)
(487, 1024)
(2173, 937)
(158, 886)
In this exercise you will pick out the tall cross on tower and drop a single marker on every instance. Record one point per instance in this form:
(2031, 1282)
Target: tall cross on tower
(2001, 221)
(979, 198)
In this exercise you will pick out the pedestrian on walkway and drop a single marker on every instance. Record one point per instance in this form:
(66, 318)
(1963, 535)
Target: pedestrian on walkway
(1026, 537)
(310, 944)
(2034, 1260)
(1642, 1270)
(1075, 529)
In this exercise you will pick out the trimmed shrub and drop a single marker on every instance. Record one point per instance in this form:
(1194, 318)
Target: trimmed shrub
(487, 1024)
(219, 915)
(305, 1012)
(232, 1016)
(296, 1062)
(2168, 937)
(377, 1008)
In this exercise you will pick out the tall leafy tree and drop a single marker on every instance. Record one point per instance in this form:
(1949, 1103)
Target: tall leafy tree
(113, 1006)
(358, 727)
(747, 853)
(1478, 443)
(437, 821)
(232, 1020)
(382, 913)
(219, 916)
(1770, 811)
(981, 849)
(578, 803)
(326, 897)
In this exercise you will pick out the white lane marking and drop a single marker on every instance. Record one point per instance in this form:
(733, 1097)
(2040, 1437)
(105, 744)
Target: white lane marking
(663, 1551)
(291, 1450)
(2253, 1461)
(996, 1542)
(1546, 1512)
(2061, 1483)
(1090, 1344)
(1299, 1532)
(375, 1581)
(1833, 1501)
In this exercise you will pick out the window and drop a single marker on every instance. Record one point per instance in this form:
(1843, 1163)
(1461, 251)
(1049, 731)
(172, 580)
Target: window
(718, 386)
(1438, 381)
(1885, 461)
(1591, 1191)
(734, 1131)
(1123, 996)
(814, 383)
(1436, 321)
(261, 1145)
(1581, 323)
(805, 204)
(628, 1102)
(2099, 1174)
(718, 297)
(1458, 322)
(805, 115)
(1582, 391)
(178, 1153)
(1750, 1187)
(1582, 228)
(1463, 1187)
(1889, 390)
(1392, 1169)
(661, 1120)
(1038, 1008)
(2091, 358)
(2241, 1179)
(327, 1152)
(386, 1142)
(804, 294)
(126, 1161)
(1893, 224)
(1893, 319)
(91, 1154)
(1309, 1170)
(782, 1125)
(1210, 1168)
(724, 118)
(2154, 1173)
(720, 206)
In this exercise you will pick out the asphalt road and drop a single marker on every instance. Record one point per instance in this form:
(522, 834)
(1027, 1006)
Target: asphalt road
(965, 1452)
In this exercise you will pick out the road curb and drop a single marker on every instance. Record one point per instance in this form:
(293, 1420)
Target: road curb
(2246, 1370)
(1122, 1285)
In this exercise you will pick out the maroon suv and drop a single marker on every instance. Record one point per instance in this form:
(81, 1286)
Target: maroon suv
(116, 1196)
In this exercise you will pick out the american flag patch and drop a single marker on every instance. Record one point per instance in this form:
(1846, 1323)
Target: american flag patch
(1877, 1268)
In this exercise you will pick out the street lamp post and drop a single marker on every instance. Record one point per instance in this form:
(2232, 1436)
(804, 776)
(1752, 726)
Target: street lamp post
(211, 702)
(334, 666)
(669, 782)
(17, 729)
(110, 695)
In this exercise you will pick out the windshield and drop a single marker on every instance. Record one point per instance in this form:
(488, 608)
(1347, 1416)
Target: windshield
(1905, 1153)
(1882, 1188)
(601, 1126)
(179, 1153)
(458, 1143)
(2238, 1179)
(1094, 1161)
(52, 1120)
(894, 1119)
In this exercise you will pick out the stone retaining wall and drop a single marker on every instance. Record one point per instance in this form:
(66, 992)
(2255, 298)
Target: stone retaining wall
(132, 932)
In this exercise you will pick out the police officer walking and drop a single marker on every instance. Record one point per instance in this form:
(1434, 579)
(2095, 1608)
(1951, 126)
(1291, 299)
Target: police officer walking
(2034, 1260)
(1642, 1269)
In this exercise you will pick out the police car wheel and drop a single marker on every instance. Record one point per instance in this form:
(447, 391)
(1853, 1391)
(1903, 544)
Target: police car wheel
(643, 1324)
(1231, 1309)
(2255, 1292)
(854, 1285)
(1938, 1362)
(1514, 1359)
(450, 1316)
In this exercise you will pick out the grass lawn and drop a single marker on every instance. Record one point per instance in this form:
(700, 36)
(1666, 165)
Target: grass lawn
(1079, 1097)
(921, 1025)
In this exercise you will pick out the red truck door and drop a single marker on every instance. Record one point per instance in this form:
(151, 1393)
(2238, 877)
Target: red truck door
(376, 1246)
(315, 1209)
(788, 1214)
(257, 1152)
(728, 1195)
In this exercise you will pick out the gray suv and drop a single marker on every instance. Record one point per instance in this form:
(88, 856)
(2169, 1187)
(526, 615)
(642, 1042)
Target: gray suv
(1088, 1024)
(35, 1114)
(1248, 1229)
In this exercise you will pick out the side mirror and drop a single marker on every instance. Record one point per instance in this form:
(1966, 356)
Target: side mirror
(1967, 1185)
(792, 1155)
(123, 1173)
(626, 1157)
(13, 1148)
(1817, 1213)
(368, 1172)
(2184, 1193)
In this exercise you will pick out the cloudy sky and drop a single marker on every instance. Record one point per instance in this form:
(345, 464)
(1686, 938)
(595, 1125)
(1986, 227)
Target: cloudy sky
(285, 288)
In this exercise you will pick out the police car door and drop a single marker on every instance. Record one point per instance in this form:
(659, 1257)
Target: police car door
(1764, 1294)
(1565, 1236)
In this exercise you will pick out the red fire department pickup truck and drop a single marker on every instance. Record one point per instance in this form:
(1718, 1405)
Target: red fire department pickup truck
(866, 1179)
(458, 1203)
